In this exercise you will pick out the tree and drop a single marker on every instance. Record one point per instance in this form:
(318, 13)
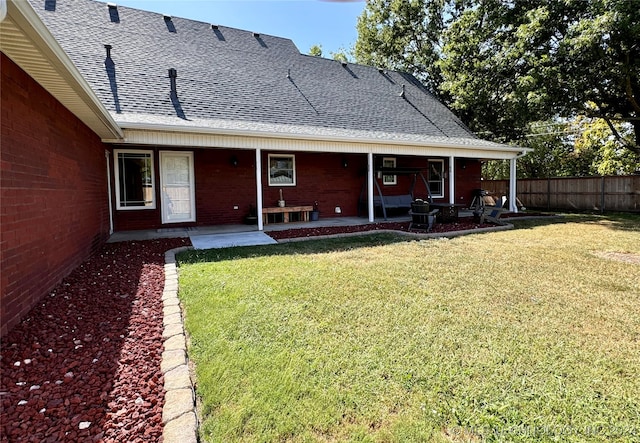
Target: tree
(403, 35)
(601, 51)
(495, 85)
(552, 150)
(501, 65)
(341, 55)
(570, 148)
(316, 50)
(608, 153)
(552, 154)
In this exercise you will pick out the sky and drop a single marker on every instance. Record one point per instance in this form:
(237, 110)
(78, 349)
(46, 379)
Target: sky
(331, 24)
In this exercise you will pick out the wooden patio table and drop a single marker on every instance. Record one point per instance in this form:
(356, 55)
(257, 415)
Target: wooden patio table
(285, 211)
(448, 212)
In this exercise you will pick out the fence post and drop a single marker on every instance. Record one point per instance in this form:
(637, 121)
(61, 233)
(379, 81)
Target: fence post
(602, 199)
(548, 193)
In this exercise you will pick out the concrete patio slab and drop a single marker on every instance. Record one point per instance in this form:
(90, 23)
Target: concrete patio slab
(211, 241)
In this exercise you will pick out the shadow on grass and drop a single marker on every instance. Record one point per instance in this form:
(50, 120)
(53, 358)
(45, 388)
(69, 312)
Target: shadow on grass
(622, 221)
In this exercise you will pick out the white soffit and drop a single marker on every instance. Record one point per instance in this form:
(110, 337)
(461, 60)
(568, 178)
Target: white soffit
(274, 142)
(27, 41)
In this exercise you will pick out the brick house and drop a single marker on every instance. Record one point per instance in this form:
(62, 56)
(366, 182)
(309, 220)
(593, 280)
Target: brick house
(119, 119)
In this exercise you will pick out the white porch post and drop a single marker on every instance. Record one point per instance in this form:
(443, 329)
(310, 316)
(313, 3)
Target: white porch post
(259, 188)
(452, 180)
(512, 185)
(370, 187)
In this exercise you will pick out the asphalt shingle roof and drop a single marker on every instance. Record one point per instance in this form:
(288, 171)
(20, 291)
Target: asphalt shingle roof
(230, 75)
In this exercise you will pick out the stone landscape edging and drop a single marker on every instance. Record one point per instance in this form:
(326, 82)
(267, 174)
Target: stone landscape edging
(179, 411)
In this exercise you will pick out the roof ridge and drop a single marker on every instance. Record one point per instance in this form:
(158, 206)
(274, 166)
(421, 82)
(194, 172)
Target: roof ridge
(207, 24)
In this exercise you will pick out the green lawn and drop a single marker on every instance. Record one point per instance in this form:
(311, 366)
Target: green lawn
(528, 335)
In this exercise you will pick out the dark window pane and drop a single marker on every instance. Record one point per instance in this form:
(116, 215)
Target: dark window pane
(135, 179)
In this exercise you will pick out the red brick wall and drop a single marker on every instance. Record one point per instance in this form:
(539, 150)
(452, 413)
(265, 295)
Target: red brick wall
(220, 187)
(404, 182)
(53, 195)
(321, 177)
(468, 174)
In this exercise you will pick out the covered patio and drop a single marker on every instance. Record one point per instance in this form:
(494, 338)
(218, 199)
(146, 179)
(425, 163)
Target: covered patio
(195, 231)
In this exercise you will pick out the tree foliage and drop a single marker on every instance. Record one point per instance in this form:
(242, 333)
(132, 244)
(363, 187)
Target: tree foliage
(342, 55)
(403, 35)
(571, 148)
(316, 50)
(608, 155)
(503, 64)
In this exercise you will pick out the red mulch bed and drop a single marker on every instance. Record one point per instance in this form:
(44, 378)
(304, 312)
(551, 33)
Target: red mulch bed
(464, 223)
(84, 365)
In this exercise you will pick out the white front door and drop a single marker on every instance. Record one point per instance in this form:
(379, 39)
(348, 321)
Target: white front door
(178, 190)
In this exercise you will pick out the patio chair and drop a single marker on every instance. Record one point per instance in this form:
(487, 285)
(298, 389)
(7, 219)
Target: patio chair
(492, 214)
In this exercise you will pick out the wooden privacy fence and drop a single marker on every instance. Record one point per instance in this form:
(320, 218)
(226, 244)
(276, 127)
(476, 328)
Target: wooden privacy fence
(606, 193)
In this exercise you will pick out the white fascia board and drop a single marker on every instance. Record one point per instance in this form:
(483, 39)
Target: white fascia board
(171, 135)
(28, 20)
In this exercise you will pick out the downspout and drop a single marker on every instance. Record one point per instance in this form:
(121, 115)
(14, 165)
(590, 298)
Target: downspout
(259, 188)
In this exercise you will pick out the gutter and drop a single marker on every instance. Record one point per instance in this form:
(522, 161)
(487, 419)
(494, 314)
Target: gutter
(312, 137)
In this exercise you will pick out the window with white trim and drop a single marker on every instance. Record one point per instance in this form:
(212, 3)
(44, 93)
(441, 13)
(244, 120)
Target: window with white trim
(435, 177)
(389, 162)
(135, 186)
(282, 170)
